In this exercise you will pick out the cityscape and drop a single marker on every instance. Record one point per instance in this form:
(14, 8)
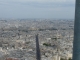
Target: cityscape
(18, 39)
(39, 30)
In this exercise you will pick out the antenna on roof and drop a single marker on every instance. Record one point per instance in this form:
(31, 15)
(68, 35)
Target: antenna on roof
(38, 55)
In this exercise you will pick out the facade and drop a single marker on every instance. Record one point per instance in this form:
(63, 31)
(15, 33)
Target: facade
(76, 43)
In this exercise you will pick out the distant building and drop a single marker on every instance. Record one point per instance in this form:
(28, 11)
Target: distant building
(12, 59)
(69, 56)
(56, 57)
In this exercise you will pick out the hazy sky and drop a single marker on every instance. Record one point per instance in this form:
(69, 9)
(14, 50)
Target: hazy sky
(37, 9)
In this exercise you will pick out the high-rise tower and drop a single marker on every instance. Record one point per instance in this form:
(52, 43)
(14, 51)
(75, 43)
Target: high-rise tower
(76, 42)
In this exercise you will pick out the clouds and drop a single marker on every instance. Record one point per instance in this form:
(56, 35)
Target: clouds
(42, 1)
(39, 3)
(37, 8)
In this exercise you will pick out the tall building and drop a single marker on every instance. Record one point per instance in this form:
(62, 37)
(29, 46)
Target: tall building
(76, 43)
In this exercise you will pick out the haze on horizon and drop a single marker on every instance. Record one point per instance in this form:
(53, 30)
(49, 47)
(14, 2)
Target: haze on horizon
(60, 9)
